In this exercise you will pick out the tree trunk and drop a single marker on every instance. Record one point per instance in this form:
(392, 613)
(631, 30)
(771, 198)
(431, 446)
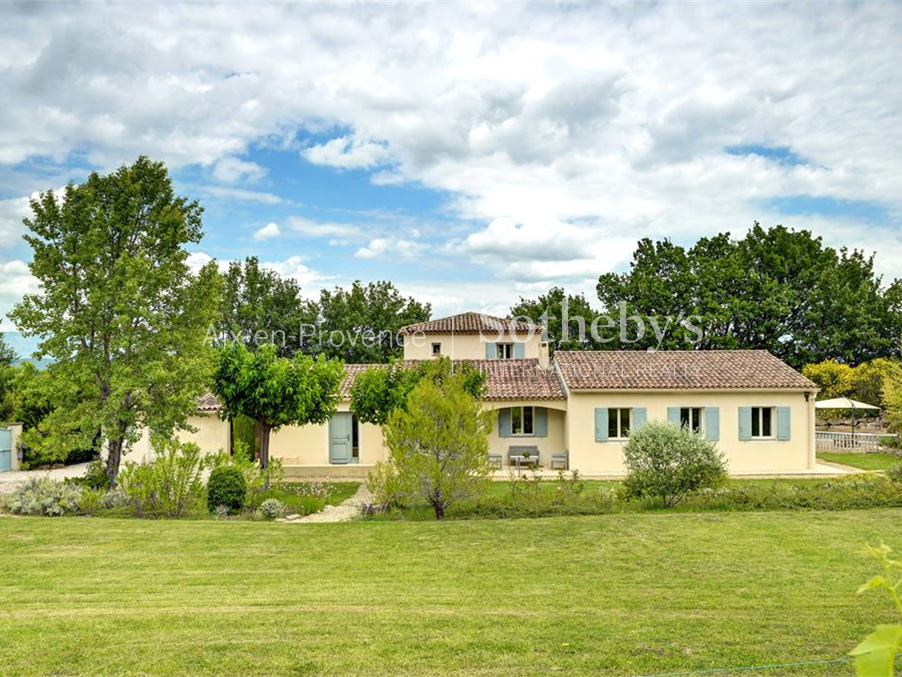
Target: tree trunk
(439, 508)
(114, 455)
(264, 451)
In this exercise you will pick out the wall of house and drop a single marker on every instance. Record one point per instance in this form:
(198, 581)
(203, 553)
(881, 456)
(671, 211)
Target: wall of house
(309, 445)
(554, 443)
(744, 457)
(212, 435)
(465, 346)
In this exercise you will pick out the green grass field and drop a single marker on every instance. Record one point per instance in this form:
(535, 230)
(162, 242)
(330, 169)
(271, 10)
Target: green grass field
(863, 461)
(612, 595)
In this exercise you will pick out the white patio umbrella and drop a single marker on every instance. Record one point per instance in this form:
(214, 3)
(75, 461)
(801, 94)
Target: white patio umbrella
(844, 403)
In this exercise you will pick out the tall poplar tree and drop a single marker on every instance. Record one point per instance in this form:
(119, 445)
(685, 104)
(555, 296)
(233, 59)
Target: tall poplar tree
(118, 310)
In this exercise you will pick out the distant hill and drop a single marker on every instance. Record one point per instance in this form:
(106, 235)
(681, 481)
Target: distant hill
(24, 347)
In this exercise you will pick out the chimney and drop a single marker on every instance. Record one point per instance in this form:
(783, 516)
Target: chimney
(543, 354)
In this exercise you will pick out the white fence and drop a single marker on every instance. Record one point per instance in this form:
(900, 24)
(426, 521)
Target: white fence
(829, 441)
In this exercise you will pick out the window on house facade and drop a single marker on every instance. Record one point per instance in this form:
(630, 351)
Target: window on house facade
(436, 349)
(522, 420)
(618, 424)
(692, 418)
(762, 422)
(505, 351)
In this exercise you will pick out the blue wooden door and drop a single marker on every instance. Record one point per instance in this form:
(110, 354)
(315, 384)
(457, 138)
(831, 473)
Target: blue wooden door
(6, 450)
(340, 438)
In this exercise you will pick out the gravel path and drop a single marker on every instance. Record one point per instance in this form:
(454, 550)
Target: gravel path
(343, 512)
(11, 479)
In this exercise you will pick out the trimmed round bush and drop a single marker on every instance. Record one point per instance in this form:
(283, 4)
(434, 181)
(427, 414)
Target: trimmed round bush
(271, 509)
(226, 487)
(669, 462)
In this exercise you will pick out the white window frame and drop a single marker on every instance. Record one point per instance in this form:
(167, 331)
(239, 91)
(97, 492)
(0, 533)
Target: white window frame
(439, 351)
(502, 348)
(758, 412)
(701, 416)
(532, 419)
(618, 426)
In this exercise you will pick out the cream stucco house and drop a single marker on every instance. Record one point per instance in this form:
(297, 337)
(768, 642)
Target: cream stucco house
(577, 409)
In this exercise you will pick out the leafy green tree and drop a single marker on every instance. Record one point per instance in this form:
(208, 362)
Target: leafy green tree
(833, 379)
(668, 462)
(259, 306)
(119, 310)
(379, 391)
(775, 289)
(7, 355)
(869, 380)
(360, 325)
(564, 315)
(276, 391)
(438, 445)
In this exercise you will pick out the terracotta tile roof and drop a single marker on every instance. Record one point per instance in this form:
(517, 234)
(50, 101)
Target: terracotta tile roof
(676, 369)
(208, 402)
(470, 323)
(505, 379)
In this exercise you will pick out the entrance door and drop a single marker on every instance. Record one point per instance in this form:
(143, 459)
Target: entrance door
(340, 438)
(6, 450)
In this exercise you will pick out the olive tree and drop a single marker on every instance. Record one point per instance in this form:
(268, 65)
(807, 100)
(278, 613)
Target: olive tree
(667, 461)
(439, 443)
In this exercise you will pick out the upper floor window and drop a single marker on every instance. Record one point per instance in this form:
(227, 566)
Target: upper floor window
(692, 418)
(505, 351)
(522, 420)
(618, 424)
(762, 422)
(436, 349)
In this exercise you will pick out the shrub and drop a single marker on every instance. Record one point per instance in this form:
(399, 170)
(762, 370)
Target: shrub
(271, 509)
(385, 486)
(90, 501)
(226, 487)
(136, 482)
(46, 497)
(668, 462)
(94, 477)
(220, 512)
(254, 475)
(895, 473)
(177, 477)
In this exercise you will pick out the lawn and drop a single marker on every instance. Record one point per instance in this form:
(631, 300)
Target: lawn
(630, 594)
(863, 461)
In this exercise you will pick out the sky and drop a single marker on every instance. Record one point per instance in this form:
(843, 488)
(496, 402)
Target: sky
(472, 154)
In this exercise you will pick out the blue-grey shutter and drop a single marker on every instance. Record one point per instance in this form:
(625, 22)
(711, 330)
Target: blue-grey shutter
(519, 350)
(673, 415)
(540, 421)
(640, 416)
(504, 423)
(745, 423)
(601, 425)
(783, 423)
(491, 352)
(712, 423)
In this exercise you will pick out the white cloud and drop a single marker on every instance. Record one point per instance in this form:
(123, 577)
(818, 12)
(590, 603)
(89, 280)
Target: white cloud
(15, 281)
(610, 120)
(242, 195)
(270, 230)
(392, 248)
(293, 267)
(233, 170)
(312, 228)
(12, 212)
(347, 152)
